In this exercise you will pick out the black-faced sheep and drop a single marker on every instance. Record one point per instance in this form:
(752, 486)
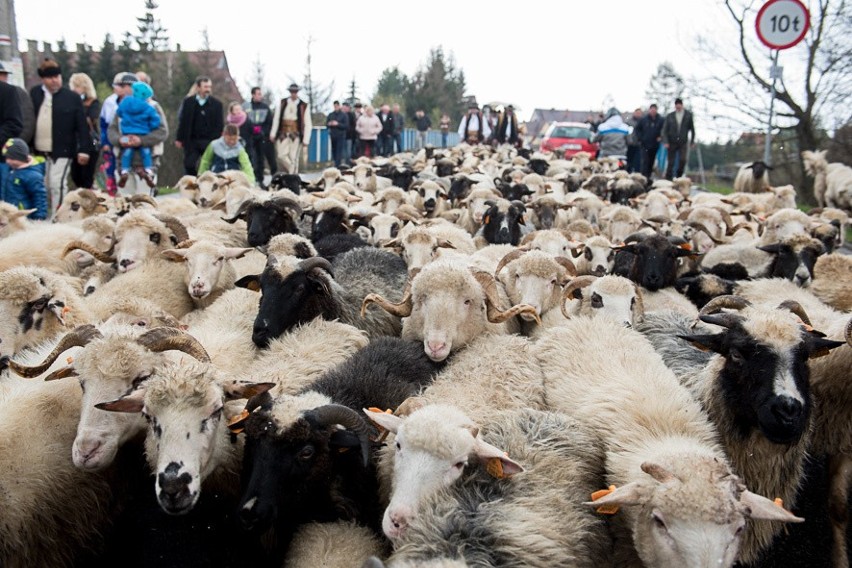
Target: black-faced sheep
(266, 219)
(753, 177)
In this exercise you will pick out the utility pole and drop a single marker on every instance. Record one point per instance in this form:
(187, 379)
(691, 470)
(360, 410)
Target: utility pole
(8, 31)
(774, 74)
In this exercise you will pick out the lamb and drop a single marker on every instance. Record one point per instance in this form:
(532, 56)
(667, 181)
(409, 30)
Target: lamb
(141, 236)
(446, 306)
(208, 270)
(79, 204)
(754, 385)
(316, 288)
(682, 503)
(612, 297)
(13, 220)
(754, 181)
(833, 281)
(450, 503)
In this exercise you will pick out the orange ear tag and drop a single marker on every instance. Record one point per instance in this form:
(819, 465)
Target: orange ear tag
(235, 424)
(779, 501)
(605, 509)
(69, 360)
(494, 467)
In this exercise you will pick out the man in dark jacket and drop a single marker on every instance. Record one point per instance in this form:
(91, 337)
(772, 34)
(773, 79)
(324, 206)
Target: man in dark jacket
(386, 136)
(260, 148)
(423, 123)
(648, 132)
(11, 121)
(338, 127)
(507, 127)
(398, 127)
(351, 134)
(200, 121)
(61, 132)
(678, 131)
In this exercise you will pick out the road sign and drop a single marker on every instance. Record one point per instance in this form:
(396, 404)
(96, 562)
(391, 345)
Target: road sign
(781, 24)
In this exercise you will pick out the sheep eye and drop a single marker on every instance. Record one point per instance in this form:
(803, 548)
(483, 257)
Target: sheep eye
(220, 259)
(398, 447)
(737, 357)
(597, 301)
(553, 282)
(154, 238)
(467, 302)
(139, 380)
(459, 465)
(658, 521)
(632, 303)
(75, 207)
(306, 453)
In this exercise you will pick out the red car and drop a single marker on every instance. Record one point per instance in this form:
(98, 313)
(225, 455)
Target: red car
(572, 137)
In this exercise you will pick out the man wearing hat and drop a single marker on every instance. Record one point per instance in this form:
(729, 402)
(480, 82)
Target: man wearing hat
(507, 127)
(473, 128)
(200, 121)
(11, 120)
(291, 129)
(61, 132)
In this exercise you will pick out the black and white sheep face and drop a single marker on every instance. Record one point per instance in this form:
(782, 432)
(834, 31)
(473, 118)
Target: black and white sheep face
(795, 263)
(766, 382)
(503, 228)
(605, 301)
(597, 259)
(383, 228)
(433, 446)
(332, 221)
(21, 323)
(655, 261)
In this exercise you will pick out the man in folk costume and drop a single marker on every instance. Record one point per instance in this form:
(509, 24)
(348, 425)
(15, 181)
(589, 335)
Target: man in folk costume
(291, 128)
(473, 128)
(507, 127)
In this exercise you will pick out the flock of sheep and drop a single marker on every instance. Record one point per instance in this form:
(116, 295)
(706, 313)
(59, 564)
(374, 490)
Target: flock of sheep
(452, 358)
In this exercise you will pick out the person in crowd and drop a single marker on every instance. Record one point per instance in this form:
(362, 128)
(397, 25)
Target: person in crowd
(398, 127)
(25, 184)
(473, 128)
(422, 123)
(612, 135)
(338, 127)
(648, 133)
(238, 117)
(61, 133)
(139, 118)
(260, 149)
(200, 121)
(227, 153)
(678, 133)
(385, 140)
(445, 129)
(11, 119)
(349, 142)
(80, 83)
(634, 148)
(369, 127)
(507, 127)
(121, 87)
(291, 129)
(357, 150)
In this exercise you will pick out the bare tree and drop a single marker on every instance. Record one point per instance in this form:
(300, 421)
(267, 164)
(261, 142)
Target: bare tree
(819, 93)
(664, 87)
(319, 95)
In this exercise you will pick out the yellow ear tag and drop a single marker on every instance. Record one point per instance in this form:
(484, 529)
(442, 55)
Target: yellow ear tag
(605, 509)
(69, 360)
(494, 467)
(382, 432)
(235, 424)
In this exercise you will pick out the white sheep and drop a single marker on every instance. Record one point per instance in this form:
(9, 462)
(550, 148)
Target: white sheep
(832, 182)
(681, 501)
(614, 298)
(208, 269)
(13, 220)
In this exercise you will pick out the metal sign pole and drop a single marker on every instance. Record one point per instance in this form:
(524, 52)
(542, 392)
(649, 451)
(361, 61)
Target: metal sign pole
(774, 72)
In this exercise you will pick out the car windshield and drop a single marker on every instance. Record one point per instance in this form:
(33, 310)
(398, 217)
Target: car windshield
(570, 132)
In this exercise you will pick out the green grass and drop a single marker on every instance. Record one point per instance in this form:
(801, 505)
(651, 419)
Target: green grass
(719, 188)
(166, 190)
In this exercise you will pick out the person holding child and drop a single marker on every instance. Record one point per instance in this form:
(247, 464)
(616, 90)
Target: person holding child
(24, 186)
(138, 118)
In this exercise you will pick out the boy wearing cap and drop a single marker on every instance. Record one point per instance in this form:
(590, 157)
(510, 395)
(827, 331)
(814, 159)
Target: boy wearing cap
(137, 117)
(25, 185)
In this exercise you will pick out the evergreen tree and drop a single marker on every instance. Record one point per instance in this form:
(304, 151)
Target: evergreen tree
(353, 91)
(392, 87)
(63, 57)
(126, 53)
(437, 87)
(665, 86)
(85, 63)
(106, 70)
(152, 35)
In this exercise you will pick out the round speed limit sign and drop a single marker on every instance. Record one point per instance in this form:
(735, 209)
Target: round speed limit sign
(781, 24)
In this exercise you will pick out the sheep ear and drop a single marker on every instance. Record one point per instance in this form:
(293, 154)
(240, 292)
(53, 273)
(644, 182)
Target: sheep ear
(23, 212)
(175, 255)
(491, 454)
(244, 389)
(621, 496)
(133, 402)
(250, 282)
(387, 421)
(760, 507)
(235, 252)
(704, 342)
(819, 347)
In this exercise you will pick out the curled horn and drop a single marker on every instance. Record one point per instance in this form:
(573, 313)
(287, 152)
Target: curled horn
(244, 206)
(80, 245)
(175, 226)
(567, 265)
(640, 305)
(169, 338)
(400, 310)
(288, 203)
(331, 414)
(797, 309)
(726, 217)
(89, 200)
(716, 305)
(703, 228)
(492, 301)
(575, 284)
(733, 229)
(79, 337)
(849, 333)
(316, 262)
(142, 198)
(513, 255)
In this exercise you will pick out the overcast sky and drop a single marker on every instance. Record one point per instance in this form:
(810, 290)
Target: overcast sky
(569, 54)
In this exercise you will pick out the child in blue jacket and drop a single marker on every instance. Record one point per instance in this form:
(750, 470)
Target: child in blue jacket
(25, 184)
(138, 117)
